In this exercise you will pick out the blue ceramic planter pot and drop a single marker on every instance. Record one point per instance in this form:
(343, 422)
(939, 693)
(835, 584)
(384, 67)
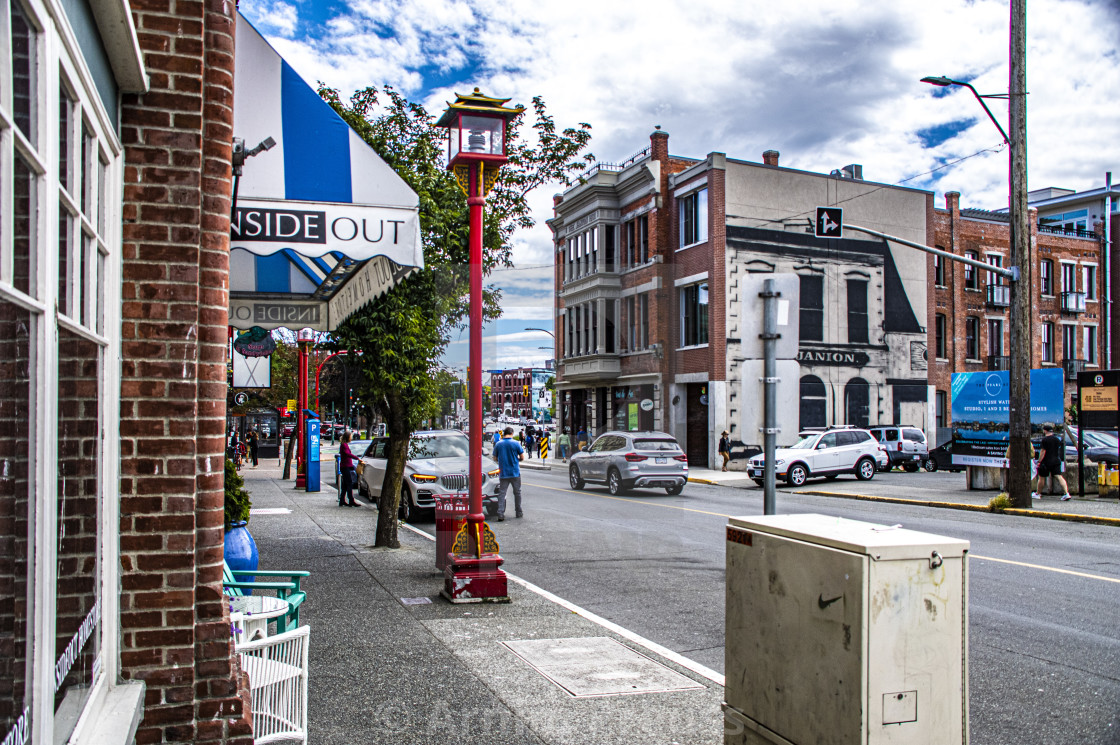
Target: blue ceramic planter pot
(241, 551)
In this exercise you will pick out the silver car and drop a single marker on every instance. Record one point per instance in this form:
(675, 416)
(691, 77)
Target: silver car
(437, 463)
(627, 460)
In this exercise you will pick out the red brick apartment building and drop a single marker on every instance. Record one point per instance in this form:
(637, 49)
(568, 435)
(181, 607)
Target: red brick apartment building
(968, 308)
(520, 392)
(651, 260)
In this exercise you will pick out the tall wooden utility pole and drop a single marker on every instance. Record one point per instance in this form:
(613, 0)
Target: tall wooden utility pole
(1018, 486)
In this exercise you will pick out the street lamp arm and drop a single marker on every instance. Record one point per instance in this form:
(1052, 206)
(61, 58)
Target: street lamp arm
(1011, 273)
(942, 81)
(544, 330)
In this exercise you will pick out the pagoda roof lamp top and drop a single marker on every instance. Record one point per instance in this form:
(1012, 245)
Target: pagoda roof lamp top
(476, 103)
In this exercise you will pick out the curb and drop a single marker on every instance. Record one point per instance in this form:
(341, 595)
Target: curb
(1066, 516)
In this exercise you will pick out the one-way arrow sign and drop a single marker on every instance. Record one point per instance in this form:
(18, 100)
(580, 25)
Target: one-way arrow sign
(830, 222)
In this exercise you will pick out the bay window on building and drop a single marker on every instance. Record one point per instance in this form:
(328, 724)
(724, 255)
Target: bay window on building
(60, 170)
(694, 315)
(693, 217)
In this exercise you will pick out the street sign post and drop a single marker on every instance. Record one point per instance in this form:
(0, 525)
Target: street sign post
(829, 223)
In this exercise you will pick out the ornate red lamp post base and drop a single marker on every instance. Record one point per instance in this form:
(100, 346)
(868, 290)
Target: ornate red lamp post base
(476, 150)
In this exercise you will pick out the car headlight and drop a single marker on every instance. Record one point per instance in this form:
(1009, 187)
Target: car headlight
(780, 462)
(422, 478)
(494, 474)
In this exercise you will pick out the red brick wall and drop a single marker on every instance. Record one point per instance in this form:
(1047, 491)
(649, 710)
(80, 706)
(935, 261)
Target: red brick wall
(175, 632)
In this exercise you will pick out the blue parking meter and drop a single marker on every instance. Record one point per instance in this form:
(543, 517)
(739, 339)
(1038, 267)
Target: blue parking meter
(311, 458)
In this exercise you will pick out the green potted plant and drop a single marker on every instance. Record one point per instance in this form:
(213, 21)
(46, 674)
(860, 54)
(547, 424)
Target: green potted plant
(240, 548)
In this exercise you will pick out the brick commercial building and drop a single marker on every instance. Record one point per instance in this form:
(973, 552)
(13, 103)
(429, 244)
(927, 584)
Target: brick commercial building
(521, 392)
(651, 256)
(968, 308)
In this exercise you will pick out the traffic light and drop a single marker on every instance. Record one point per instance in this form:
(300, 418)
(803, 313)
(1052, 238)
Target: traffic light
(524, 390)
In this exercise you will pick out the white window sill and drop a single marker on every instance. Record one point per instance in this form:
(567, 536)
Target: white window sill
(693, 245)
(694, 346)
(113, 718)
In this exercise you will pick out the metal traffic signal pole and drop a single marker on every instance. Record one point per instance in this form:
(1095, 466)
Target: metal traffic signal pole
(770, 388)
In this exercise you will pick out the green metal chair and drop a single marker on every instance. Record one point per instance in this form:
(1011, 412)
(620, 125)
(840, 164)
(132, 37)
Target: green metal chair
(286, 585)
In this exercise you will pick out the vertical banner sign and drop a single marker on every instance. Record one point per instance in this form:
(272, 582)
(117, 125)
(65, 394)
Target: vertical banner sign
(981, 403)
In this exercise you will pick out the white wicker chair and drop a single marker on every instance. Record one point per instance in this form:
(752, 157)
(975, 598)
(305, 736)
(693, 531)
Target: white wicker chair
(277, 668)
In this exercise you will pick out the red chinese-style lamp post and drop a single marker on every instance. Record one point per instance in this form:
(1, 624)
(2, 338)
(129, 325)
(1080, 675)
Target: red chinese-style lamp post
(476, 126)
(305, 339)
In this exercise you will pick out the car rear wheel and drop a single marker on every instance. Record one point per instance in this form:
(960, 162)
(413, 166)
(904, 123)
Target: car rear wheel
(797, 475)
(930, 465)
(865, 469)
(673, 491)
(574, 479)
(911, 467)
(614, 482)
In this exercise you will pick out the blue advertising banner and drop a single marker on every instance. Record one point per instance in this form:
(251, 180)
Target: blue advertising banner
(981, 413)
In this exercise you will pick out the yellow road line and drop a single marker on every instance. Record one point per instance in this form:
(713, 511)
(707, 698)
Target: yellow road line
(721, 514)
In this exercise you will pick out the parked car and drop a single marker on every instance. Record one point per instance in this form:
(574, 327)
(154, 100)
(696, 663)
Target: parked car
(906, 446)
(1100, 446)
(437, 463)
(628, 460)
(941, 459)
(825, 454)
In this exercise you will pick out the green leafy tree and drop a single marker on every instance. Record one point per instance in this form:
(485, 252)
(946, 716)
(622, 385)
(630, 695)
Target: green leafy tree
(403, 333)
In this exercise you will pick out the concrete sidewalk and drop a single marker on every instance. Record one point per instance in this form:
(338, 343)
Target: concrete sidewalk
(392, 662)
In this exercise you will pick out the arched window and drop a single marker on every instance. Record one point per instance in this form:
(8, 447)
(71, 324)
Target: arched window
(812, 402)
(857, 402)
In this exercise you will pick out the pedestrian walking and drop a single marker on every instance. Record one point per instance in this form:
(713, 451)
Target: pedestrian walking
(581, 440)
(1051, 462)
(349, 473)
(509, 454)
(725, 448)
(254, 444)
(563, 442)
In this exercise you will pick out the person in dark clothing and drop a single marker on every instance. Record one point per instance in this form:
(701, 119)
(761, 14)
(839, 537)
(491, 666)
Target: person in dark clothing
(349, 475)
(725, 448)
(254, 443)
(1050, 461)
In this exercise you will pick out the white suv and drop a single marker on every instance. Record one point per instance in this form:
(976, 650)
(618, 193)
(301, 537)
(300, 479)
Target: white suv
(826, 454)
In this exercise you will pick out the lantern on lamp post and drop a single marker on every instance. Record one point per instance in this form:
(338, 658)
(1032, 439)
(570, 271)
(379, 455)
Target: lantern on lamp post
(476, 149)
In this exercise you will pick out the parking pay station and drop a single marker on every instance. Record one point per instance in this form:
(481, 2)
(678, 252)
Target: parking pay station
(840, 631)
(311, 455)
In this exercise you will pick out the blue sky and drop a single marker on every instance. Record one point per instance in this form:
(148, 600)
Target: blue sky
(825, 82)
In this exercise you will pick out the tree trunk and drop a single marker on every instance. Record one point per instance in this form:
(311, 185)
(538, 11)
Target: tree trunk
(398, 432)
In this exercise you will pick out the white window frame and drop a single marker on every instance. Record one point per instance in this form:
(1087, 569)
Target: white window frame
(1090, 332)
(58, 62)
(702, 222)
(1089, 282)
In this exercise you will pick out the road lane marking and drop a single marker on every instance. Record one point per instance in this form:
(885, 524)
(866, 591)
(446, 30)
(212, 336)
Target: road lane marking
(625, 633)
(721, 514)
(1047, 569)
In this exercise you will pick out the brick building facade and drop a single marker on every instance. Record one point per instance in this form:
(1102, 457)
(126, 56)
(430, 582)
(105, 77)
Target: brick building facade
(113, 310)
(968, 309)
(651, 255)
(521, 392)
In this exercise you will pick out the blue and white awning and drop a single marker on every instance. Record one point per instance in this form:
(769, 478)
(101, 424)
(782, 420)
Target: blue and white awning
(322, 224)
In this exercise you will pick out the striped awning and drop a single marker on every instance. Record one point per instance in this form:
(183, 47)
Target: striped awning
(322, 224)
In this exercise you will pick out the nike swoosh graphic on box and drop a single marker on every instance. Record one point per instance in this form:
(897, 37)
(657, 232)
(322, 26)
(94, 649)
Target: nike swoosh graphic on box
(825, 603)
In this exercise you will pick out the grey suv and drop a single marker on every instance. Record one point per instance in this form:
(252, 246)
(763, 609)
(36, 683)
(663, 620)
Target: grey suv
(906, 446)
(627, 460)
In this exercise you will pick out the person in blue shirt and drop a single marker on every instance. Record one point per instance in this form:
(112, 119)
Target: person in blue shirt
(509, 454)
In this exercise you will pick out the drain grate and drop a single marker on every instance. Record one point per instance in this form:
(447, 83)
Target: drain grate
(598, 666)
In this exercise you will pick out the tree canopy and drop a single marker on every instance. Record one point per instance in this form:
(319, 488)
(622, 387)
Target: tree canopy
(403, 333)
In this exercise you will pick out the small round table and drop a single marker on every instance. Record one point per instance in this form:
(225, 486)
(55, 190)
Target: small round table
(251, 613)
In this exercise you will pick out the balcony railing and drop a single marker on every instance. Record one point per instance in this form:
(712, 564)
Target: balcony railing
(1072, 368)
(999, 296)
(999, 362)
(1073, 302)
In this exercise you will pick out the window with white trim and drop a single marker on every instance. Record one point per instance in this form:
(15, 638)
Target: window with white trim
(1047, 330)
(1090, 281)
(693, 217)
(694, 315)
(60, 165)
(1091, 345)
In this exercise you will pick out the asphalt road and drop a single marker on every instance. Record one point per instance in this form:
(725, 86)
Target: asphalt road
(1043, 651)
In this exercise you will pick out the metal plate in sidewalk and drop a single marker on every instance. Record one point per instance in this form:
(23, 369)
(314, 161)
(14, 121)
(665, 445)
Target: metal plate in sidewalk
(598, 666)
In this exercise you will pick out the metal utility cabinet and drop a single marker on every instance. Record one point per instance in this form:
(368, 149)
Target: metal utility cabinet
(842, 632)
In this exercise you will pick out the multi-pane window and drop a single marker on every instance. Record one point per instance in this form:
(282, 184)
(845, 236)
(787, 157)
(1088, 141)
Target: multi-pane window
(1069, 278)
(694, 314)
(941, 408)
(971, 279)
(972, 338)
(811, 320)
(939, 344)
(1046, 277)
(938, 270)
(1091, 345)
(1047, 331)
(1069, 342)
(995, 337)
(636, 233)
(857, 311)
(992, 278)
(1090, 281)
(58, 211)
(693, 217)
(637, 321)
